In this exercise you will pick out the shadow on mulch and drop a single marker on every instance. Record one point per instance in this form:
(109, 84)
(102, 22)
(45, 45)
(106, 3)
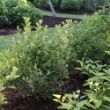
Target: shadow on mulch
(49, 21)
(34, 103)
(7, 31)
(31, 104)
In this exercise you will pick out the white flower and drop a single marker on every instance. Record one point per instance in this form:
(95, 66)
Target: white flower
(57, 96)
(96, 84)
(76, 96)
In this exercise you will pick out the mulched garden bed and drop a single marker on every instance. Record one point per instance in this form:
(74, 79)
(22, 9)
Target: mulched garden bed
(51, 21)
(76, 11)
(7, 31)
(35, 103)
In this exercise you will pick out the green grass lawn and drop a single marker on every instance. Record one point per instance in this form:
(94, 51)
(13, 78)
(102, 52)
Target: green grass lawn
(43, 12)
(5, 41)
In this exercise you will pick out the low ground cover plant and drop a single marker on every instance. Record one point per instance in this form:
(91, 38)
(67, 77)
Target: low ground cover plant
(97, 94)
(4, 78)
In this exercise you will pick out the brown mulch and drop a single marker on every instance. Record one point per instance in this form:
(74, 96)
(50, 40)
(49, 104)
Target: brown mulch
(51, 21)
(7, 31)
(15, 101)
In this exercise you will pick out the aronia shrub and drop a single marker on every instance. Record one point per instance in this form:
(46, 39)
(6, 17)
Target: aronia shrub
(40, 58)
(89, 39)
(12, 13)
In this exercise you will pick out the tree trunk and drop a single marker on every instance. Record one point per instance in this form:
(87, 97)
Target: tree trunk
(52, 8)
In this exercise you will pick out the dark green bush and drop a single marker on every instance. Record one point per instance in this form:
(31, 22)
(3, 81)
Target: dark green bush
(89, 40)
(92, 43)
(31, 0)
(3, 13)
(71, 4)
(92, 5)
(15, 12)
(41, 3)
(44, 3)
(101, 2)
(56, 3)
(40, 58)
(89, 4)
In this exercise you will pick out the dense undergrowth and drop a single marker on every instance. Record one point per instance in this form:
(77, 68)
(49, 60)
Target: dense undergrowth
(37, 63)
(97, 93)
(90, 5)
(12, 13)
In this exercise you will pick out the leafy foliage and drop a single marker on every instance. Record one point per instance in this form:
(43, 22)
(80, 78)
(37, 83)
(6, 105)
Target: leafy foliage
(37, 62)
(40, 57)
(89, 4)
(97, 93)
(71, 101)
(97, 96)
(4, 78)
(3, 12)
(44, 3)
(71, 4)
(89, 40)
(14, 11)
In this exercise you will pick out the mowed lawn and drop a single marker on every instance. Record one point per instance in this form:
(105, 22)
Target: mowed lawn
(5, 41)
(65, 15)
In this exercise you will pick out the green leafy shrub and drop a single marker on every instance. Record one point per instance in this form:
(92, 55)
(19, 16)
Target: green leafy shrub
(56, 3)
(3, 80)
(89, 4)
(41, 3)
(71, 4)
(4, 77)
(41, 60)
(44, 3)
(89, 40)
(101, 2)
(70, 101)
(3, 12)
(97, 95)
(92, 5)
(16, 11)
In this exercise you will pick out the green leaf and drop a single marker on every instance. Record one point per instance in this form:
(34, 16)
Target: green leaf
(106, 98)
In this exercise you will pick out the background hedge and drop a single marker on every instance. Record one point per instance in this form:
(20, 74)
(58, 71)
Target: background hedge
(71, 4)
(12, 12)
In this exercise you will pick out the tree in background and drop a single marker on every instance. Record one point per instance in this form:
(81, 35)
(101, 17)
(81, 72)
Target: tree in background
(52, 8)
